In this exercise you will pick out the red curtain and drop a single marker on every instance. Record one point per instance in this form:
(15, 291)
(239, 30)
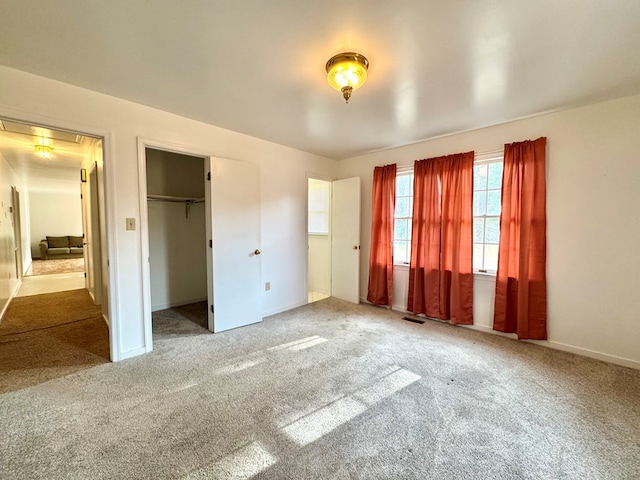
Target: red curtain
(380, 291)
(521, 282)
(441, 269)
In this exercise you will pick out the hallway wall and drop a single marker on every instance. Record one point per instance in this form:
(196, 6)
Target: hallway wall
(8, 278)
(54, 210)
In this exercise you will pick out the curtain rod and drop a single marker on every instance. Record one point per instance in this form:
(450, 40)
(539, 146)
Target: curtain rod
(478, 156)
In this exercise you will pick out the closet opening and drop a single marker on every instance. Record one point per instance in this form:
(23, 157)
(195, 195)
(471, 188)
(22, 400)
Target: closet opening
(177, 238)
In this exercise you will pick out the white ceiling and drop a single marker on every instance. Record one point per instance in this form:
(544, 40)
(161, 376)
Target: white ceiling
(257, 66)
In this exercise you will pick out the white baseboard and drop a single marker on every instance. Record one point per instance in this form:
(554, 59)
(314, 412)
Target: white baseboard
(164, 306)
(132, 353)
(605, 357)
(11, 297)
(25, 268)
(4, 309)
(273, 311)
(585, 352)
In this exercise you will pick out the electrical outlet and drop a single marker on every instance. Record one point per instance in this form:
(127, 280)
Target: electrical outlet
(131, 223)
(267, 286)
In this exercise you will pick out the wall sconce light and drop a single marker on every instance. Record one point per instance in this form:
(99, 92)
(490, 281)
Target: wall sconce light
(347, 72)
(44, 151)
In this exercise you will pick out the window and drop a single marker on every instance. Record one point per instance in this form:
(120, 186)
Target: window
(487, 185)
(402, 218)
(319, 205)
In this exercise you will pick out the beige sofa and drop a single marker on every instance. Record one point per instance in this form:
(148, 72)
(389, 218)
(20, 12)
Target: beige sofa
(61, 247)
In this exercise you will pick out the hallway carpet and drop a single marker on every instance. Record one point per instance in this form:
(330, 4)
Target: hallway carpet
(329, 391)
(47, 336)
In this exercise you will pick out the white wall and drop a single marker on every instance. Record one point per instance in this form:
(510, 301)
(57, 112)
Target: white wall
(54, 210)
(593, 225)
(177, 254)
(283, 187)
(8, 278)
(174, 174)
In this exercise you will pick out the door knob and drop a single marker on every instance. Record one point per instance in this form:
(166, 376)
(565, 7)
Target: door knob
(257, 252)
(355, 247)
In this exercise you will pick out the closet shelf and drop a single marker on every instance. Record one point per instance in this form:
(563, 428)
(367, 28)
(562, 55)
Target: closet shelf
(188, 201)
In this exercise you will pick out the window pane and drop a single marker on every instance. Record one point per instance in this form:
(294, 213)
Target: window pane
(479, 203)
(495, 175)
(319, 223)
(478, 230)
(400, 252)
(401, 229)
(493, 202)
(492, 230)
(403, 207)
(480, 177)
(403, 185)
(478, 252)
(491, 257)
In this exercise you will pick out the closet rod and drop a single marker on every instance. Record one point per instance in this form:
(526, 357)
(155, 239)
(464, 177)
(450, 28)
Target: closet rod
(169, 198)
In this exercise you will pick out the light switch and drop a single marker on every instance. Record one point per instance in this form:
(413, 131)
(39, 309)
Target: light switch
(131, 223)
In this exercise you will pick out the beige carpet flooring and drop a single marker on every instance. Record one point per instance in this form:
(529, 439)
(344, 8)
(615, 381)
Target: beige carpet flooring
(328, 391)
(62, 265)
(48, 336)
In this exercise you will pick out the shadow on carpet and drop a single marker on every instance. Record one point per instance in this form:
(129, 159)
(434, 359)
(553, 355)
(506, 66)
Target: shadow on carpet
(48, 336)
(170, 323)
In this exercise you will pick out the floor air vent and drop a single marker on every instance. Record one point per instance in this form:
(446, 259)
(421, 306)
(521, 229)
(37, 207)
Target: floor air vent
(415, 320)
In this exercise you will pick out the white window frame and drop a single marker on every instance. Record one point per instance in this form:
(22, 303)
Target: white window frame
(479, 159)
(406, 171)
(486, 159)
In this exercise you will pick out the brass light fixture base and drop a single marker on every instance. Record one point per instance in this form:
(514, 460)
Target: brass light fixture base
(347, 72)
(346, 93)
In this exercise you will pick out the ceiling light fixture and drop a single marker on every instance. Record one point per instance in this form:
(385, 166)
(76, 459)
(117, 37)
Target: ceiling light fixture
(44, 151)
(347, 72)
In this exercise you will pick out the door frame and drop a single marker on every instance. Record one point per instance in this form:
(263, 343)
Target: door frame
(143, 144)
(108, 185)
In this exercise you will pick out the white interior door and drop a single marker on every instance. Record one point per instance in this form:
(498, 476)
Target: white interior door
(345, 239)
(96, 261)
(17, 232)
(236, 277)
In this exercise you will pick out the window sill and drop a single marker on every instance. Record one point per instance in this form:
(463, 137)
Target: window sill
(490, 277)
(480, 272)
(401, 266)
